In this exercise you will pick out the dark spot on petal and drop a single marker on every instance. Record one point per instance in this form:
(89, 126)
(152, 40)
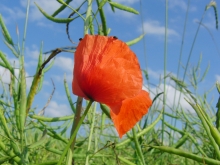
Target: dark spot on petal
(80, 39)
(115, 37)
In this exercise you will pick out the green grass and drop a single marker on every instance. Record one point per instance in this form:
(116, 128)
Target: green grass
(167, 136)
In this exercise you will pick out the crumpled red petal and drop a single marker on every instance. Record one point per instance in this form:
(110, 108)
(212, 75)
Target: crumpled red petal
(105, 70)
(130, 112)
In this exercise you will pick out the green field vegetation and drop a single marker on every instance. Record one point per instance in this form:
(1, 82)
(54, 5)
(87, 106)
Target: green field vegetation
(166, 136)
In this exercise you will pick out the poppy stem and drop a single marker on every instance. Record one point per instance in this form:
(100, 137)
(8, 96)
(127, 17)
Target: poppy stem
(76, 119)
(74, 133)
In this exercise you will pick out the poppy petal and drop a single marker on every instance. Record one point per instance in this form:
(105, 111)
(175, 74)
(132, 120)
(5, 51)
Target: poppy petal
(77, 90)
(131, 111)
(105, 68)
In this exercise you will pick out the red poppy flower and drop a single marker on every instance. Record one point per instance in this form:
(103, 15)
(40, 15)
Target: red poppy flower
(107, 71)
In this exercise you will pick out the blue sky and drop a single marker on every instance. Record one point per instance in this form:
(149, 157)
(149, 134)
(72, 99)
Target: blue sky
(125, 26)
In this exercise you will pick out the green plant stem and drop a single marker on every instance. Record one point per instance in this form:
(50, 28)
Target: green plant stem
(25, 28)
(138, 147)
(76, 119)
(190, 54)
(103, 19)
(75, 132)
(91, 133)
(87, 19)
(165, 67)
(180, 58)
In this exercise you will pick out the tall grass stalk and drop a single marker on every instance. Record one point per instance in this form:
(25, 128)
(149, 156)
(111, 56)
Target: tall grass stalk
(165, 68)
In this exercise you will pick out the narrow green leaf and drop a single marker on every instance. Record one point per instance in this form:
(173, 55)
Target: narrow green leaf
(102, 16)
(205, 73)
(22, 112)
(125, 160)
(6, 62)
(199, 63)
(51, 18)
(218, 87)
(52, 162)
(134, 41)
(5, 31)
(4, 124)
(68, 96)
(54, 119)
(61, 8)
(105, 109)
(9, 153)
(206, 127)
(187, 154)
(112, 7)
(122, 7)
(214, 5)
(138, 147)
(181, 141)
(40, 142)
(4, 159)
(11, 48)
(69, 157)
(103, 117)
(49, 66)
(74, 133)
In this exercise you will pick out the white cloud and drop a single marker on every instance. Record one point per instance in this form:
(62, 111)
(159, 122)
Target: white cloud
(154, 28)
(58, 78)
(170, 93)
(48, 6)
(28, 81)
(42, 24)
(5, 75)
(180, 4)
(56, 110)
(32, 52)
(154, 74)
(12, 14)
(64, 63)
(217, 77)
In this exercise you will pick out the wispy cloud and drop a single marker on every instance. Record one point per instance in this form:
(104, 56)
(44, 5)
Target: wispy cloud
(154, 27)
(5, 75)
(11, 14)
(170, 93)
(56, 110)
(32, 52)
(180, 4)
(64, 63)
(48, 6)
(217, 77)
(154, 74)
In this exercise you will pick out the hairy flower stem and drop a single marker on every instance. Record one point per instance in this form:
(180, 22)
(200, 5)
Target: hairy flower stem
(76, 120)
(73, 136)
